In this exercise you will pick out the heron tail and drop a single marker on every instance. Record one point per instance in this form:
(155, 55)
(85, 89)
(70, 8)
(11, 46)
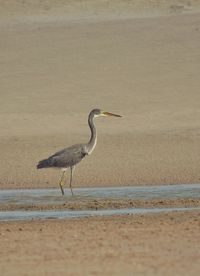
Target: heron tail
(43, 164)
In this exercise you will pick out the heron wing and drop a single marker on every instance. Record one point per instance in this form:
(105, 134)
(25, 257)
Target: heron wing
(67, 157)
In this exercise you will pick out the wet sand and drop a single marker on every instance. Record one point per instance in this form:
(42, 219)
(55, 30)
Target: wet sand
(103, 204)
(101, 198)
(165, 244)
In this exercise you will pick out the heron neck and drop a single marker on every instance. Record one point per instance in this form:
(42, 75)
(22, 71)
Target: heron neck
(93, 139)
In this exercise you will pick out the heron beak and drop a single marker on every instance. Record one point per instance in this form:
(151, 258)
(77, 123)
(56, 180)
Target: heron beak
(110, 114)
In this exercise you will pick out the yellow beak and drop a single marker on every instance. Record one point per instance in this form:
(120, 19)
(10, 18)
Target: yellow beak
(110, 114)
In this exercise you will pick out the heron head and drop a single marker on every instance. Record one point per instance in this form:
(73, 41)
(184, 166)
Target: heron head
(98, 112)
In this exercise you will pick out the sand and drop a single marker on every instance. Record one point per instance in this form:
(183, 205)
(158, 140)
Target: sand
(136, 58)
(59, 60)
(77, 203)
(165, 244)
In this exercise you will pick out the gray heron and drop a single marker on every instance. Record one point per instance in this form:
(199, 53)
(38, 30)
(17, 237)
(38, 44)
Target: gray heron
(69, 157)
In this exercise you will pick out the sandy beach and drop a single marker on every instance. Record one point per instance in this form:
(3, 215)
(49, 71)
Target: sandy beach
(140, 59)
(166, 244)
(55, 69)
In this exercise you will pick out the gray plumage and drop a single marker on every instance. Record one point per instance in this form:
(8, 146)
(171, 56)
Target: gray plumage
(69, 157)
(64, 158)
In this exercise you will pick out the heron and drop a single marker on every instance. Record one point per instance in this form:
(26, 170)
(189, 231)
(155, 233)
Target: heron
(71, 156)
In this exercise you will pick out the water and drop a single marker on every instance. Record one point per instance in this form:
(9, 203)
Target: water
(30, 215)
(53, 196)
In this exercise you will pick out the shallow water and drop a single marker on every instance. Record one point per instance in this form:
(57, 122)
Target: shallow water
(53, 196)
(29, 215)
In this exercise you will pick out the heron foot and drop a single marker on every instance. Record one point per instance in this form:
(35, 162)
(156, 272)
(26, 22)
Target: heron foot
(72, 192)
(61, 188)
(61, 182)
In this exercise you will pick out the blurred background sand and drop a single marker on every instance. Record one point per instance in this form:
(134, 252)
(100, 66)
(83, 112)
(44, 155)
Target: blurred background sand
(60, 59)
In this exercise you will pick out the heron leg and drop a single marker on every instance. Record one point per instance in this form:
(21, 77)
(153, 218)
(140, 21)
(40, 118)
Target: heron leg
(71, 177)
(61, 182)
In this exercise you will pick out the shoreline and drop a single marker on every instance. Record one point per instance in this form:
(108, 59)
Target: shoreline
(96, 204)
